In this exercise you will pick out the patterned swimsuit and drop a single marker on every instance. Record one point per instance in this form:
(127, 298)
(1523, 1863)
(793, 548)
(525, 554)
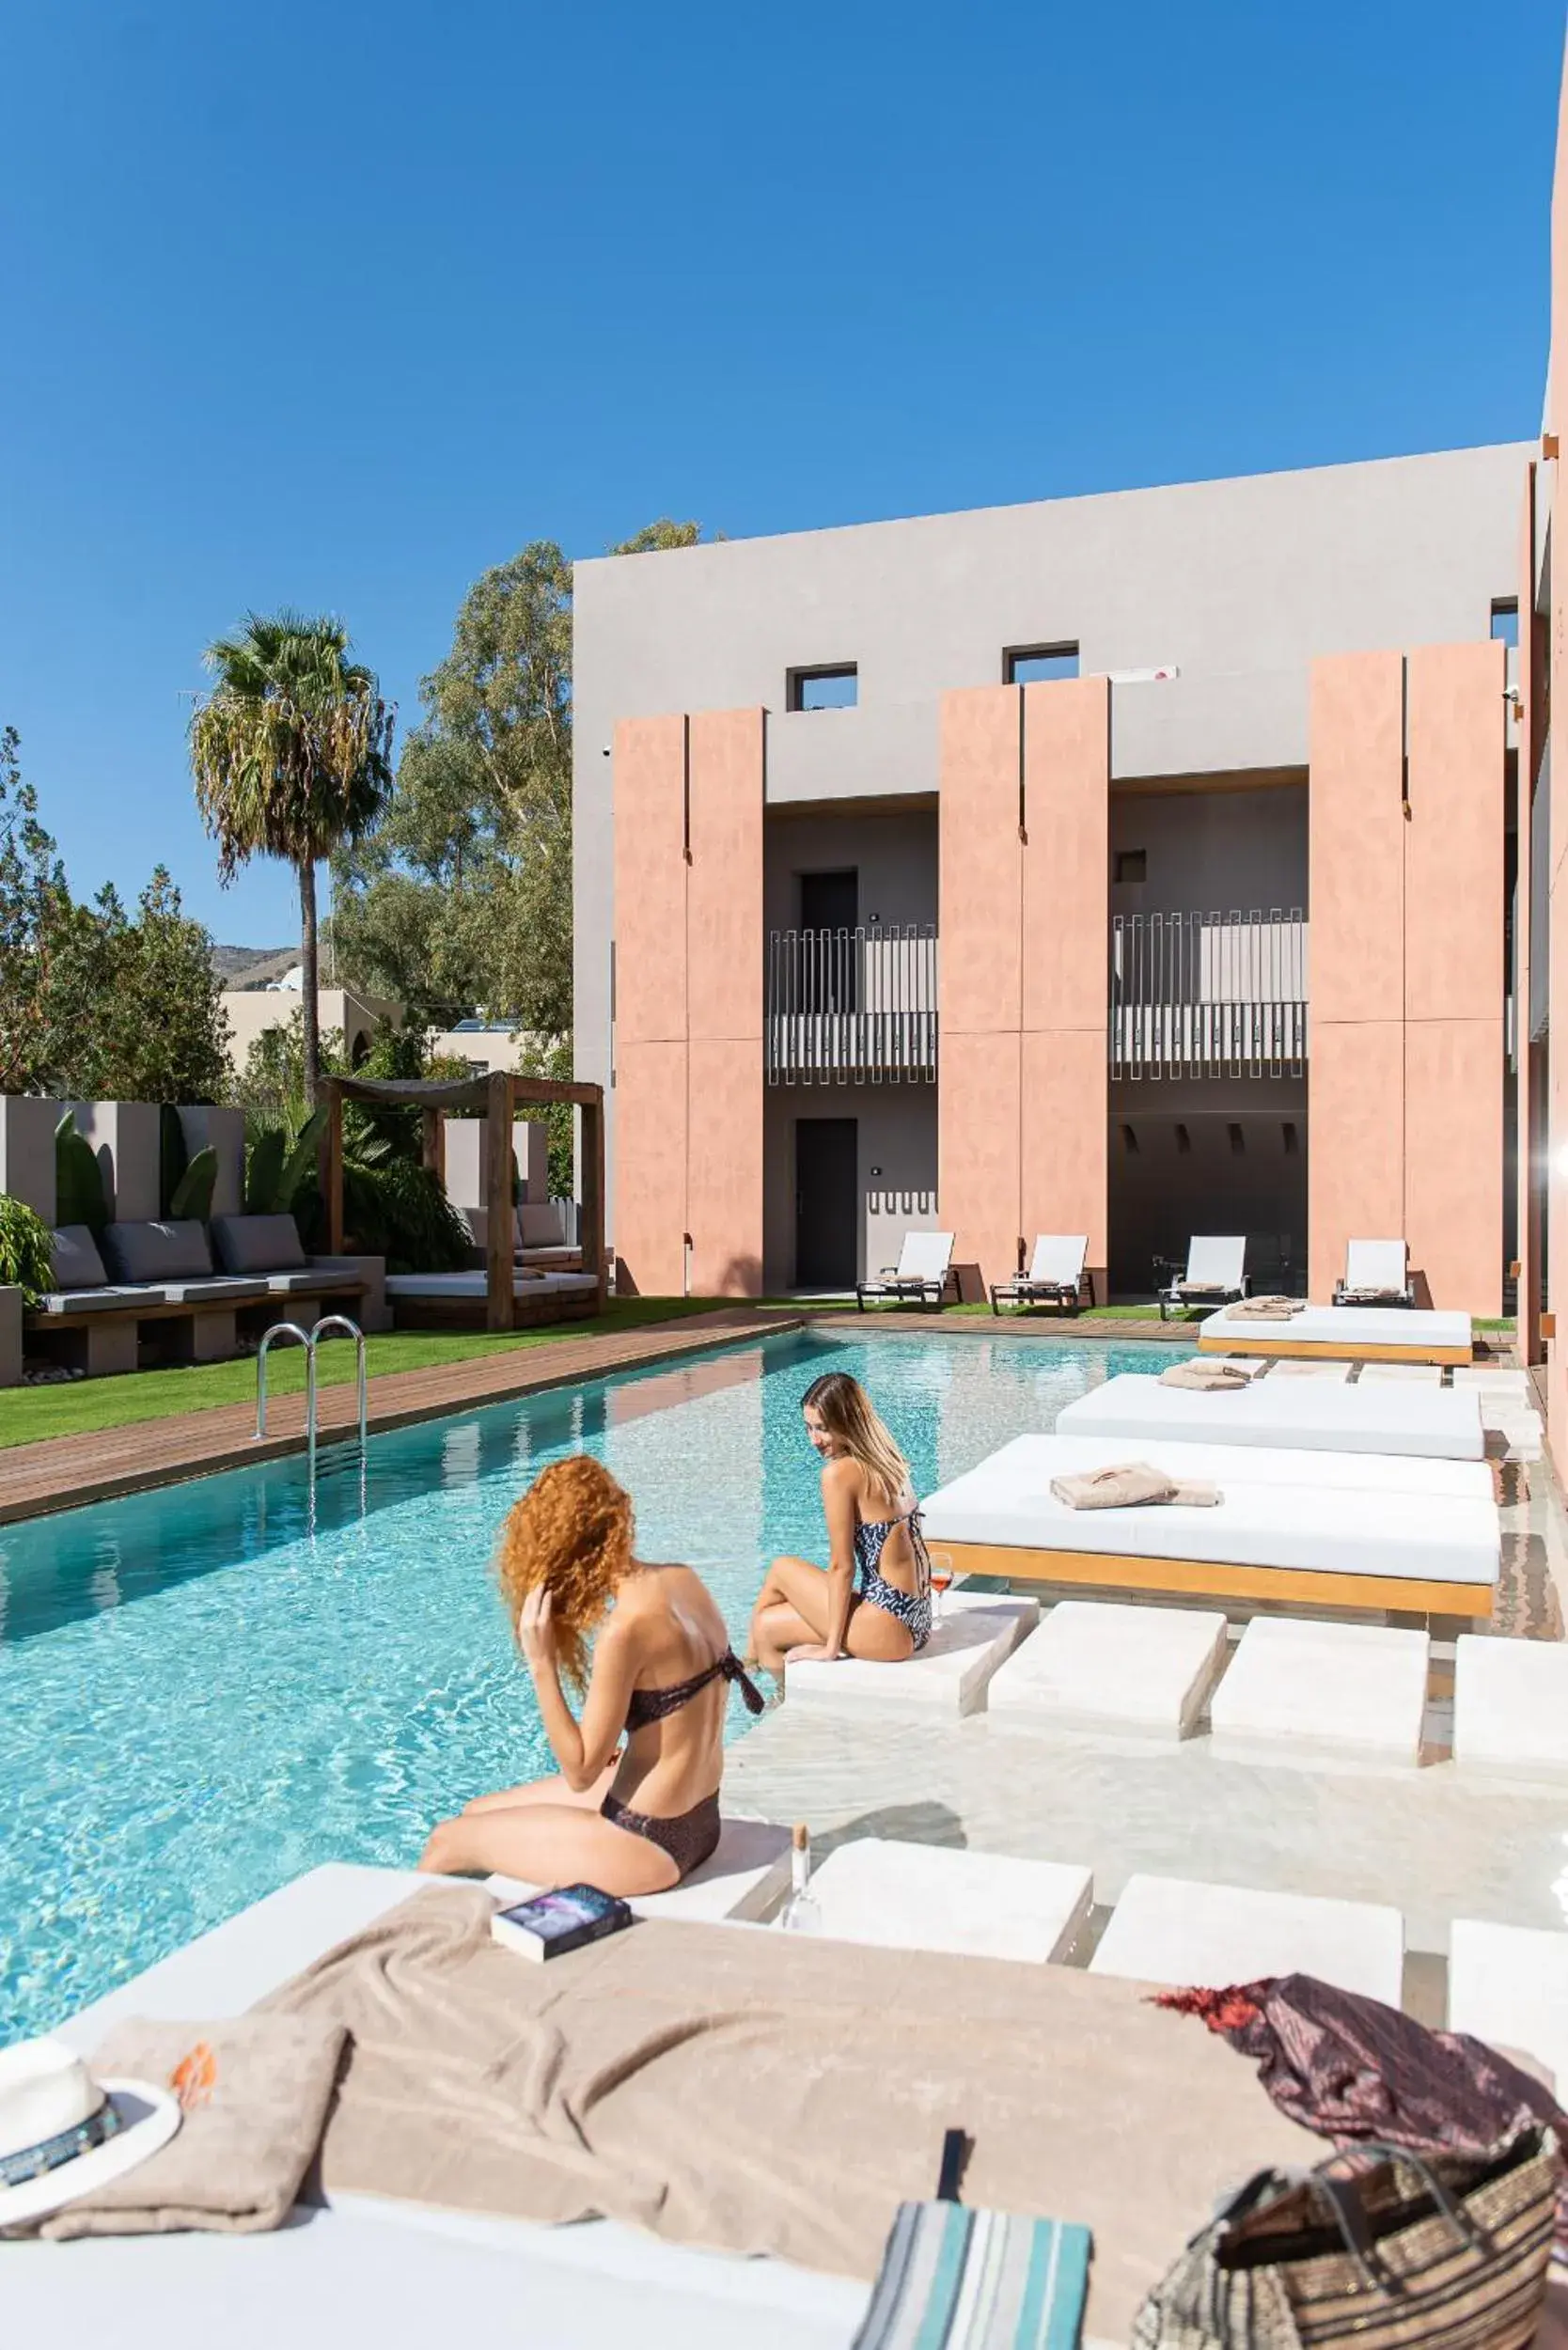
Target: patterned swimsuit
(911, 1608)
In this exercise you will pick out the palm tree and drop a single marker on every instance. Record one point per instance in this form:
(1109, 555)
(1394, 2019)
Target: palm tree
(291, 753)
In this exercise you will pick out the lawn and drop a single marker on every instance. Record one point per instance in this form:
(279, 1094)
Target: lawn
(29, 1414)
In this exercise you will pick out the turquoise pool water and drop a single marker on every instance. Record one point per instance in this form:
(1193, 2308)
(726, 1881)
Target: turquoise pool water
(200, 1697)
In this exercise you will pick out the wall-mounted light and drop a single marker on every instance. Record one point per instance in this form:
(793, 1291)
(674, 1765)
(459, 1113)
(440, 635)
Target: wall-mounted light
(876, 1174)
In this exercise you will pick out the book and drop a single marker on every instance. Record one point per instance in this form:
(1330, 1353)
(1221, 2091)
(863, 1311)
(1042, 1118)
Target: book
(551, 1924)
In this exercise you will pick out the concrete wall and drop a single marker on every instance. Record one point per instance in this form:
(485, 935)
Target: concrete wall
(1240, 583)
(27, 1151)
(1212, 852)
(464, 1147)
(897, 1135)
(895, 854)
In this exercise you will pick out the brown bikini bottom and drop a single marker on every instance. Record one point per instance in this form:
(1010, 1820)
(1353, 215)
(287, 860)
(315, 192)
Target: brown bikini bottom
(689, 1841)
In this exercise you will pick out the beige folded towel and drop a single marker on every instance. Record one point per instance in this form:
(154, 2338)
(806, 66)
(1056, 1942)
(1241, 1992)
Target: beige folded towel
(1208, 1378)
(1129, 1486)
(1265, 1309)
(1373, 1297)
(256, 2091)
(1202, 1288)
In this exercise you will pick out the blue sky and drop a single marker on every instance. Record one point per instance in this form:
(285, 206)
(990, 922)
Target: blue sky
(337, 305)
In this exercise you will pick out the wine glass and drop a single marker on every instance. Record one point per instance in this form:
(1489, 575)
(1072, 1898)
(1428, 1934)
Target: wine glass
(941, 1581)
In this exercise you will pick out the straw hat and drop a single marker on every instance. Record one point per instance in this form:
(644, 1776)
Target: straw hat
(63, 2135)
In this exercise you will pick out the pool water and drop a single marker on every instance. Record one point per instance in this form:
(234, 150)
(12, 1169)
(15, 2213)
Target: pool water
(203, 1696)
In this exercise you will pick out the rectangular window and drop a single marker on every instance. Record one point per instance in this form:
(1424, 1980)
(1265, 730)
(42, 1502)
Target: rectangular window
(1035, 665)
(837, 688)
(1132, 866)
(1505, 621)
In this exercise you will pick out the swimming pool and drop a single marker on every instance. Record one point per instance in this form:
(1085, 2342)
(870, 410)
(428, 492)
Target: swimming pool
(200, 1697)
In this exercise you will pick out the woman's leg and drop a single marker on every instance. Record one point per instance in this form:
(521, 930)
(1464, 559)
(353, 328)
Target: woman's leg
(791, 1611)
(548, 1791)
(549, 1844)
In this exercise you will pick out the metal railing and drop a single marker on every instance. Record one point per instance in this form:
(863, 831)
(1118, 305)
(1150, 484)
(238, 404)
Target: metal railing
(1208, 994)
(310, 1340)
(849, 1005)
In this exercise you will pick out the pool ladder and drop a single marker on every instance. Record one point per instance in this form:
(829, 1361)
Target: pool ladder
(308, 1338)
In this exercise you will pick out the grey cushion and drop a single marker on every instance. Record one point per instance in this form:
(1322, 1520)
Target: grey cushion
(124, 1301)
(258, 1244)
(77, 1262)
(221, 1290)
(158, 1252)
(539, 1226)
(315, 1278)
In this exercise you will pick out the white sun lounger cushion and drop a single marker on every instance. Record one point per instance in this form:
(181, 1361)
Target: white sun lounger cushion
(1215, 1260)
(1060, 1257)
(1378, 1266)
(1315, 1513)
(1307, 1415)
(1342, 1327)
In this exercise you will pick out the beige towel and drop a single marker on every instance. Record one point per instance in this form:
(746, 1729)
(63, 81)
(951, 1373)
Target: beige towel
(1128, 1485)
(759, 2093)
(255, 2089)
(1265, 1309)
(1208, 1378)
(1203, 1288)
(1373, 1297)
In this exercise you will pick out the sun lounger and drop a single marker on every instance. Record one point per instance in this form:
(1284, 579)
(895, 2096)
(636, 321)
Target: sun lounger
(1377, 1273)
(1341, 1530)
(738, 1883)
(1057, 1275)
(949, 1677)
(1099, 1664)
(921, 1276)
(1509, 1985)
(1171, 1931)
(1352, 1334)
(929, 1897)
(1511, 1707)
(1297, 1690)
(1215, 1274)
(1299, 1415)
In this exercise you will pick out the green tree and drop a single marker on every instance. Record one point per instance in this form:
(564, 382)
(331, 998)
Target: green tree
(33, 901)
(460, 898)
(292, 756)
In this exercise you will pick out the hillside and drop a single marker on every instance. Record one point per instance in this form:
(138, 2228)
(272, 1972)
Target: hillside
(253, 966)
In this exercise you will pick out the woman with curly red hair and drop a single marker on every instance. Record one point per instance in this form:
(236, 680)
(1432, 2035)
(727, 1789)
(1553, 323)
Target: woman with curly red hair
(634, 1817)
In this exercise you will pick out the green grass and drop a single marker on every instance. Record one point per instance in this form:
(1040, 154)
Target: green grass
(29, 1414)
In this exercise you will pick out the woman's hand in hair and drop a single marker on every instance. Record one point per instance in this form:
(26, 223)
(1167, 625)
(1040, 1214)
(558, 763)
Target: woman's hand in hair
(536, 1633)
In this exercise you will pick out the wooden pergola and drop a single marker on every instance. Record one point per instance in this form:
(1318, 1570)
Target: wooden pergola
(497, 1098)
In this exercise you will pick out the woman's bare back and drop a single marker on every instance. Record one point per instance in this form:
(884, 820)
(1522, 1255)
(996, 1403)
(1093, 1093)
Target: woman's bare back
(674, 1631)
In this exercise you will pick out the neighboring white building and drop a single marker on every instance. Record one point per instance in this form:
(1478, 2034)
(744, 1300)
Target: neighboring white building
(484, 1045)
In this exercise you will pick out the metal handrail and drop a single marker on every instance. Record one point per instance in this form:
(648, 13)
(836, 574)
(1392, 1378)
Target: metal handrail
(308, 1338)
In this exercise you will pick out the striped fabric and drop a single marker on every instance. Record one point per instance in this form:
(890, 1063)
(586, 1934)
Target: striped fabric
(958, 2280)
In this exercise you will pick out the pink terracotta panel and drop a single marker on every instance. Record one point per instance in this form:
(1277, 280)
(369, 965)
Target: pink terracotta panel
(1065, 1106)
(1356, 836)
(980, 861)
(651, 1169)
(1354, 1141)
(649, 879)
(724, 890)
(1066, 853)
(724, 1178)
(1453, 842)
(1454, 1083)
(1527, 1215)
(977, 1179)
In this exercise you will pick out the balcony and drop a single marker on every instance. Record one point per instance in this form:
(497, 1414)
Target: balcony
(852, 1007)
(1208, 994)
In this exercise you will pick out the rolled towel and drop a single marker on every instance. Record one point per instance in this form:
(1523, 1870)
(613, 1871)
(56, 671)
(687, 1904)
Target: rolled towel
(1127, 1485)
(1265, 1309)
(1197, 1496)
(1208, 1378)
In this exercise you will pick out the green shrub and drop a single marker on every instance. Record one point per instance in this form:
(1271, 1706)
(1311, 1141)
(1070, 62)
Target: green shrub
(192, 1193)
(397, 1210)
(78, 1179)
(26, 1252)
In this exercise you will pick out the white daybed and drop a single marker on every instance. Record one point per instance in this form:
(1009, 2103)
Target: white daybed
(1365, 1531)
(1352, 1334)
(1306, 1415)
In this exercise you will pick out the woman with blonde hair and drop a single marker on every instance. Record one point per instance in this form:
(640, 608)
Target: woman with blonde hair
(634, 1817)
(873, 1533)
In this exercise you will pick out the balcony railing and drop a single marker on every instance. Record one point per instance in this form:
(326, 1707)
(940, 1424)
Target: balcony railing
(849, 1006)
(1208, 994)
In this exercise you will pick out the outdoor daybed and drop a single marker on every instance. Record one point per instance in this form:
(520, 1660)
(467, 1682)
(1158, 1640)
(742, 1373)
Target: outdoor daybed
(449, 1300)
(1307, 1415)
(1356, 1531)
(1352, 1334)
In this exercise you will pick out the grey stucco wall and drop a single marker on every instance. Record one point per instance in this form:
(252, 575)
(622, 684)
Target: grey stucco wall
(897, 1134)
(1239, 583)
(895, 856)
(1212, 852)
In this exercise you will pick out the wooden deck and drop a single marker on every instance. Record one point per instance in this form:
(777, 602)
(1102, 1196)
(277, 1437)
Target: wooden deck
(63, 1472)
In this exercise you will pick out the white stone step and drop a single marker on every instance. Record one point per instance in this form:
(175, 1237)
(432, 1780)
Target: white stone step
(948, 1678)
(741, 1881)
(1289, 1367)
(929, 1897)
(1298, 1686)
(1174, 1929)
(1511, 1706)
(1101, 1665)
(1509, 1985)
(1413, 1374)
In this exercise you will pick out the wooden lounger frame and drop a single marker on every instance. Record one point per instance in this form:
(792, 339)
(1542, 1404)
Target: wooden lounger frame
(1329, 1351)
(1205, 1579)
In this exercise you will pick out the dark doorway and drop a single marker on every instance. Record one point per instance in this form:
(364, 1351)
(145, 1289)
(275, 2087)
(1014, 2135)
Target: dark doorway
(830, 902)
(827, 1203)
